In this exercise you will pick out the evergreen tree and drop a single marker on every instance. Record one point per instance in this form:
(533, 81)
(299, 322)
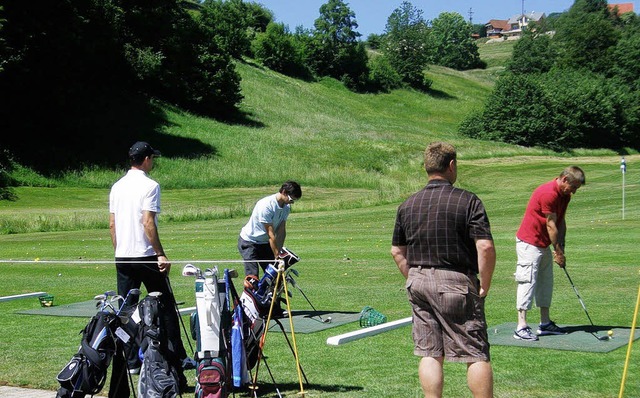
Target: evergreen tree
(406, 44)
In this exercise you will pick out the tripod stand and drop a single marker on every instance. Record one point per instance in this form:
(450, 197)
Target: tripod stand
(280, 279)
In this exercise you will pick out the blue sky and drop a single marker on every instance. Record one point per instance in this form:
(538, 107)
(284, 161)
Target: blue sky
(372, 15)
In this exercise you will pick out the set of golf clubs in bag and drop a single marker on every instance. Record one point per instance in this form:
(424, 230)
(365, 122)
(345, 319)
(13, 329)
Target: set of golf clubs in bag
(226, 326)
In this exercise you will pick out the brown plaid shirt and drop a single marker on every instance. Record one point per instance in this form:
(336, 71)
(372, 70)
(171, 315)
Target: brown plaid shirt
(439, 226)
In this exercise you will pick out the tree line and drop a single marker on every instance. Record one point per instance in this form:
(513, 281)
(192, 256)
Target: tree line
(572, 84)
(82, 73)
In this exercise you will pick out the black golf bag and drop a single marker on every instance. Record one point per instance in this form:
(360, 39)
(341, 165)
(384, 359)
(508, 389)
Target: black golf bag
(159, 373)
(86, 372)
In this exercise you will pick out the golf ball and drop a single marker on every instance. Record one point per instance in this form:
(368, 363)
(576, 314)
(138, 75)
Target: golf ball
(610, 333)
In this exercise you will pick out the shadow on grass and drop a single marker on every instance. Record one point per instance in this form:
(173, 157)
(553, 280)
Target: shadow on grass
(268, 389)
(592, 328)
(95, 132)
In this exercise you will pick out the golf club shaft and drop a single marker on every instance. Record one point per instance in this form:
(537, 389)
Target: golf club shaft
(312, 306)
(175, 304)
(584, 307)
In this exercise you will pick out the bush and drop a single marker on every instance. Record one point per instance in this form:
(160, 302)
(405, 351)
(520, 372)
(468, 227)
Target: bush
(277, 49)
(382, 76)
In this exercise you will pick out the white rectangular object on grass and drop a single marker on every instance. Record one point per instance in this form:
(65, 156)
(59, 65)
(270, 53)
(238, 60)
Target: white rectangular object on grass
(370, 331)
(25, 295)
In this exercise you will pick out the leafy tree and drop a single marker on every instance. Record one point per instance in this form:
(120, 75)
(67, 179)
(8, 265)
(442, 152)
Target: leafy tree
(226, 22)
(335, 49)
(518, 112)
(374, 41)
(186, 63)
(406, 44)
(71, 65)
(532, 54)
(625, 56)
(277, 49)
(584, 35)
(451, 43)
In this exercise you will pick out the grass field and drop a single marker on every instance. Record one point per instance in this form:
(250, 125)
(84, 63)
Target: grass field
(346, 265)
(357, 157)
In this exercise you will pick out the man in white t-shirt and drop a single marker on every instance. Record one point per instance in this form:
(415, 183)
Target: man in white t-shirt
(134, 203)
(263, 235)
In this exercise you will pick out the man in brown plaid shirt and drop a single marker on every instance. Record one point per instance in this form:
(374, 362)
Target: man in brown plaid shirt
(442, 244)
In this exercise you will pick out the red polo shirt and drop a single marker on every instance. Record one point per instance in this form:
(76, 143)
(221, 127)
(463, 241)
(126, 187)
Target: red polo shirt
(545, 199)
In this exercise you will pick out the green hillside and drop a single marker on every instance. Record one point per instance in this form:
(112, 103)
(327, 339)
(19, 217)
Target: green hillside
(316, 132)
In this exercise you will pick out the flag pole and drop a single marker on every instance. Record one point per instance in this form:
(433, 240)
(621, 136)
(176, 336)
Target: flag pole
(623, 168)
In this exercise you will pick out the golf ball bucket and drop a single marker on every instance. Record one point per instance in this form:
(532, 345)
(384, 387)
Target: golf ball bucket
(370, 317)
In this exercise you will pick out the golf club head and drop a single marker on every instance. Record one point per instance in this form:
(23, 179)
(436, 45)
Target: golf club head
(117, 297)
(134, 292)
(110, 293)
(233, 273)
(327, 320)
(293, 271)
(190, 270)
(100, 297)
(155, 294)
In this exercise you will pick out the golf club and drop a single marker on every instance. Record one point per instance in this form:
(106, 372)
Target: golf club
(583, 306)
(178, 312)
(290, 279)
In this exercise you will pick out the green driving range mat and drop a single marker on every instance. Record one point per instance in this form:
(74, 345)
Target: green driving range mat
(81, 309)
(303, 321)
(578, 338)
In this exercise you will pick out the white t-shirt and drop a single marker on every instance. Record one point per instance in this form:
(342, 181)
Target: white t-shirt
(129, 198)
(266, 211)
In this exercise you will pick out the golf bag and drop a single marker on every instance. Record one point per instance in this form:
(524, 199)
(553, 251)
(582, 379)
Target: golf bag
(211, 379)
(211, 328)
(158, 374)
(86, 372)
(257, 296)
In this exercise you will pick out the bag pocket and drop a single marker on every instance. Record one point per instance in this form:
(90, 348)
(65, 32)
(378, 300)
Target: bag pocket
(524, 273)
(68, 376)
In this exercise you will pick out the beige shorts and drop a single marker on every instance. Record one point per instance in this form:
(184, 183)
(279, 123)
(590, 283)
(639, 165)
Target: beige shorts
(534, 275)
(448, 315)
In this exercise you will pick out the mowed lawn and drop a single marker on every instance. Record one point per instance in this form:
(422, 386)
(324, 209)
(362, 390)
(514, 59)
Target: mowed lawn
(345, 265)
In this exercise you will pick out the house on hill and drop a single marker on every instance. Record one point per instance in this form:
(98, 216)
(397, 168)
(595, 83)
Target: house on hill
(512, 28)
(519, 23)
(495, 27)
(621, 8)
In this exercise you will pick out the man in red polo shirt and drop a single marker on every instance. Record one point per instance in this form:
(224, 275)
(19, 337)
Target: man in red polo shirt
(543, 226)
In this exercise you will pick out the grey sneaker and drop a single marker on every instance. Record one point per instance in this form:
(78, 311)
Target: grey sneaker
(525, 334)
(549, 329)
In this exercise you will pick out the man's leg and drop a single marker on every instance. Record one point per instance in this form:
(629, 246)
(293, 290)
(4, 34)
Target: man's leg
(431, 376)
(544, 290)
(526, 275)
(480, 379)
(127, 279)
(249, 254)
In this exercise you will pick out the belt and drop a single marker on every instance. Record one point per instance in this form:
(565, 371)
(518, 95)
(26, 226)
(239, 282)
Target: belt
(461, 270)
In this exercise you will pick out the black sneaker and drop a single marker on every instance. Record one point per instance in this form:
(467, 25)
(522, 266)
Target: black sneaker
(525, 334)
(550, 329)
